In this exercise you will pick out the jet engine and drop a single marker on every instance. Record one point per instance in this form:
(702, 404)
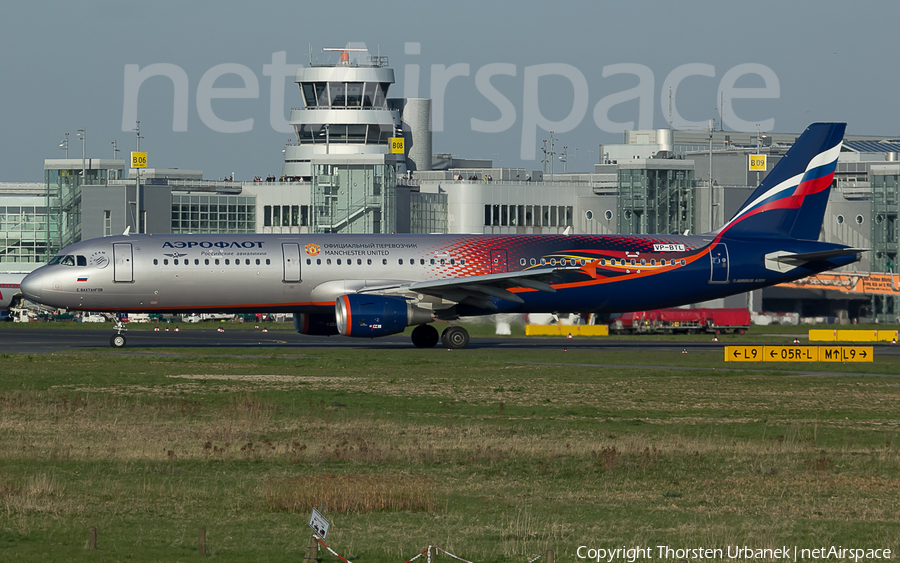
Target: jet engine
(376, 315)
(315, 325)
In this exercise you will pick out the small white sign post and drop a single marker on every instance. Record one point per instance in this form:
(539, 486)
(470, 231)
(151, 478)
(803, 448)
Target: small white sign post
(318, 523)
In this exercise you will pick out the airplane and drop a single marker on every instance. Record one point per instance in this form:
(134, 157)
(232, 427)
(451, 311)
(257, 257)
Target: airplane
(376, 285)
(9, 287)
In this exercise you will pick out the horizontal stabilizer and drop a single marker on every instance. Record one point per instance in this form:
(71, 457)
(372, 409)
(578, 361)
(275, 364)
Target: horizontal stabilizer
(798, 259)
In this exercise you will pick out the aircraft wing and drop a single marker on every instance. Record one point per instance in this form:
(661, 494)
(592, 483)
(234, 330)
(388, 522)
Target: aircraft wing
(478, 290)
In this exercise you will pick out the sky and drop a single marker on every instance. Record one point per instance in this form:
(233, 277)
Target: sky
(508, 73)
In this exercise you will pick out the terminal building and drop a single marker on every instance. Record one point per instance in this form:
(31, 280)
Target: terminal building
(362, 162)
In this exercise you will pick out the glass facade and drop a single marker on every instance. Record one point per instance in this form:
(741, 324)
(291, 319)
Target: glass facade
(63, 196)
(501, 215)
(655, 201)
(285, 215)
(428, 213)
(885, 241)
(213, 214)
(27, 232)
(353, 198)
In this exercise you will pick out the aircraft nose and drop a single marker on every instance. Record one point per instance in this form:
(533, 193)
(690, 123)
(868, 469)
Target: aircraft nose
(32, 287)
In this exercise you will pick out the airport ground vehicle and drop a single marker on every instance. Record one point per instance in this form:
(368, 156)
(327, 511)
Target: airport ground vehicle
(689, 321)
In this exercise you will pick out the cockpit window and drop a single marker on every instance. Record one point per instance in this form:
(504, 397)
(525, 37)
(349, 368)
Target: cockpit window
(55, 260)
(82, 261)
(69, 260)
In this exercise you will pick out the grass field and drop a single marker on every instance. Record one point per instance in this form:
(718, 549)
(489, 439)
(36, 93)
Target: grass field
(488, 454)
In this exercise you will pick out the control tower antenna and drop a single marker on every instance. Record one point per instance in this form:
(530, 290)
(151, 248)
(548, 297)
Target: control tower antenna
(345, 57)
(670, 107)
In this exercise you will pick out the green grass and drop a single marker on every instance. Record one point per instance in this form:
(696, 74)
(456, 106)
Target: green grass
(487, 453)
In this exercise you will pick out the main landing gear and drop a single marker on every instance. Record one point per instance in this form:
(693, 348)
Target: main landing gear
(117, 340)
(426, 336)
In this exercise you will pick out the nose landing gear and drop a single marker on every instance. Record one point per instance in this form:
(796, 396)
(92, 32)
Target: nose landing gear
(117, 340)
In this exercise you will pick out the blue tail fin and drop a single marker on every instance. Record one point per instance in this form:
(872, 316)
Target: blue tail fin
(791, 201)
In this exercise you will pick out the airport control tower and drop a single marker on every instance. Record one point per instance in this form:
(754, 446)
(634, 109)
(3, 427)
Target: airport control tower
(352, 143)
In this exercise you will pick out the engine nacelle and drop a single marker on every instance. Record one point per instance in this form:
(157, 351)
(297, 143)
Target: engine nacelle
(315, 325)
(376, 315)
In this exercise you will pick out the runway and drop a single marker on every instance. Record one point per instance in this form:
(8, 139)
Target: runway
(31, 340)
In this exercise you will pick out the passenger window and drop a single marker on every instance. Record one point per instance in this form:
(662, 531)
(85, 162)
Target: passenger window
(400, 261)
(442, 261)
(643, 262)
(603, 262)
(187, 262)
(217, 261)
(683, 262)
(432, 261)
(328, 262)
(462, 262)
(384, 261)
(359, 261)
(421, 261)
(257, 262)
(155, 262)
(633, 261)
(165, 261)
(318, 261)
(369, 261)
(543, 261)
(338, 261)
(206, 261)
(268, 262)
(227, 261)
(452, 261)
(532, 261)
(247, 262)
(309, 261)
(196, 261)
(522, 262)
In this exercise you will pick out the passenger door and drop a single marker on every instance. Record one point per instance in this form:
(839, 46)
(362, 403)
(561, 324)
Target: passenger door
(123, 265)
(718, 258)
(291, 260)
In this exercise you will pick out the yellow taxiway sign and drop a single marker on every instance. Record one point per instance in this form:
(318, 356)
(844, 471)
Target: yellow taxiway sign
(799, 354)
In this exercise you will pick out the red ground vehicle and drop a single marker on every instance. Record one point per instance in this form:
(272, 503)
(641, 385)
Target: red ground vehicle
(691, 321)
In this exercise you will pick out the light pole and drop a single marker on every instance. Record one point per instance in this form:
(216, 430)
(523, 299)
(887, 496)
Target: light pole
(551, 155)
(116, 150)
(544, 160)
(137, 182)
(65, 145)
(83, 136)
